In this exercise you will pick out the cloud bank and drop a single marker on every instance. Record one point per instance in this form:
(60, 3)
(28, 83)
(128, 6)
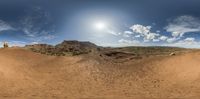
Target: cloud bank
(5, 26)
(183, 24)
(141, 34)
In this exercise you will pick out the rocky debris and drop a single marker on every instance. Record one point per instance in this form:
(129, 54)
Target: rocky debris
(172, 54)
(42, 48)
(64, 48)
(119, 55)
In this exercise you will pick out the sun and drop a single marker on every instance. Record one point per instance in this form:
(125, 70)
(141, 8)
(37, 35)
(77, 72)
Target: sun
(100, 25)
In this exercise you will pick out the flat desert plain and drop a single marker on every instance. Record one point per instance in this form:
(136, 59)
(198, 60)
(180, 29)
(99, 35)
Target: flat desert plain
(29, 75)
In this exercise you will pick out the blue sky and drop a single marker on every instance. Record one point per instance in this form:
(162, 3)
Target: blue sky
(122, 22)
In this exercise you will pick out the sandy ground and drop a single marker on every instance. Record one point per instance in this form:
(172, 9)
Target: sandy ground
(28, 75)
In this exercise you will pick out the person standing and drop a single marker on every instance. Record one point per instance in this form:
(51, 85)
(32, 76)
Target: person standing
(5, 44)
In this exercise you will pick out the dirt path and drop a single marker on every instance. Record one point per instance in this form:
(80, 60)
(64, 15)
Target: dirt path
(28, 75)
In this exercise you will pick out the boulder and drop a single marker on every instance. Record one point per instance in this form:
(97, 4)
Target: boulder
(172, 54)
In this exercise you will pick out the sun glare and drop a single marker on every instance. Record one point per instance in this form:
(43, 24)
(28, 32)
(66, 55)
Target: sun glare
(100, 25)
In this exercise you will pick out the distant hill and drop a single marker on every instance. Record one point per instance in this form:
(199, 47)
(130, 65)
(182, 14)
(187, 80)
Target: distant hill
(64, 48)
(74, 47)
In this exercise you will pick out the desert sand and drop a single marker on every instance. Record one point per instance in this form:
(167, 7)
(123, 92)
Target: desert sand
(28, 75)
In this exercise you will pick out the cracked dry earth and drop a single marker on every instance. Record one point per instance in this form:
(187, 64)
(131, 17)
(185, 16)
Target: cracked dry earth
(28, 75)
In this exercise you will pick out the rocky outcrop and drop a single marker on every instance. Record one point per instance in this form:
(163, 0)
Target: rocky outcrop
(64, 48)
(75, 47)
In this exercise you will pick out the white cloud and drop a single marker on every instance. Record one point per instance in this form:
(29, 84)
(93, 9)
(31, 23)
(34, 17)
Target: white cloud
(5, 26)
(158, 31)
(190, 39)
(127, 33)
(128, 41)
(183, 24)
(113, 32)
(145, 40)
(171, 40)
(37, 23)
(156, 40)
(137, 36)
(151, 36)
(163, 38)
(187, 42)
(34, 43)
(177, 27)
(141, 29)
(144, 31)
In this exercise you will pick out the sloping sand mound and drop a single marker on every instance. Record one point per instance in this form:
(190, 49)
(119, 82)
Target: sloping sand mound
(28, 75)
